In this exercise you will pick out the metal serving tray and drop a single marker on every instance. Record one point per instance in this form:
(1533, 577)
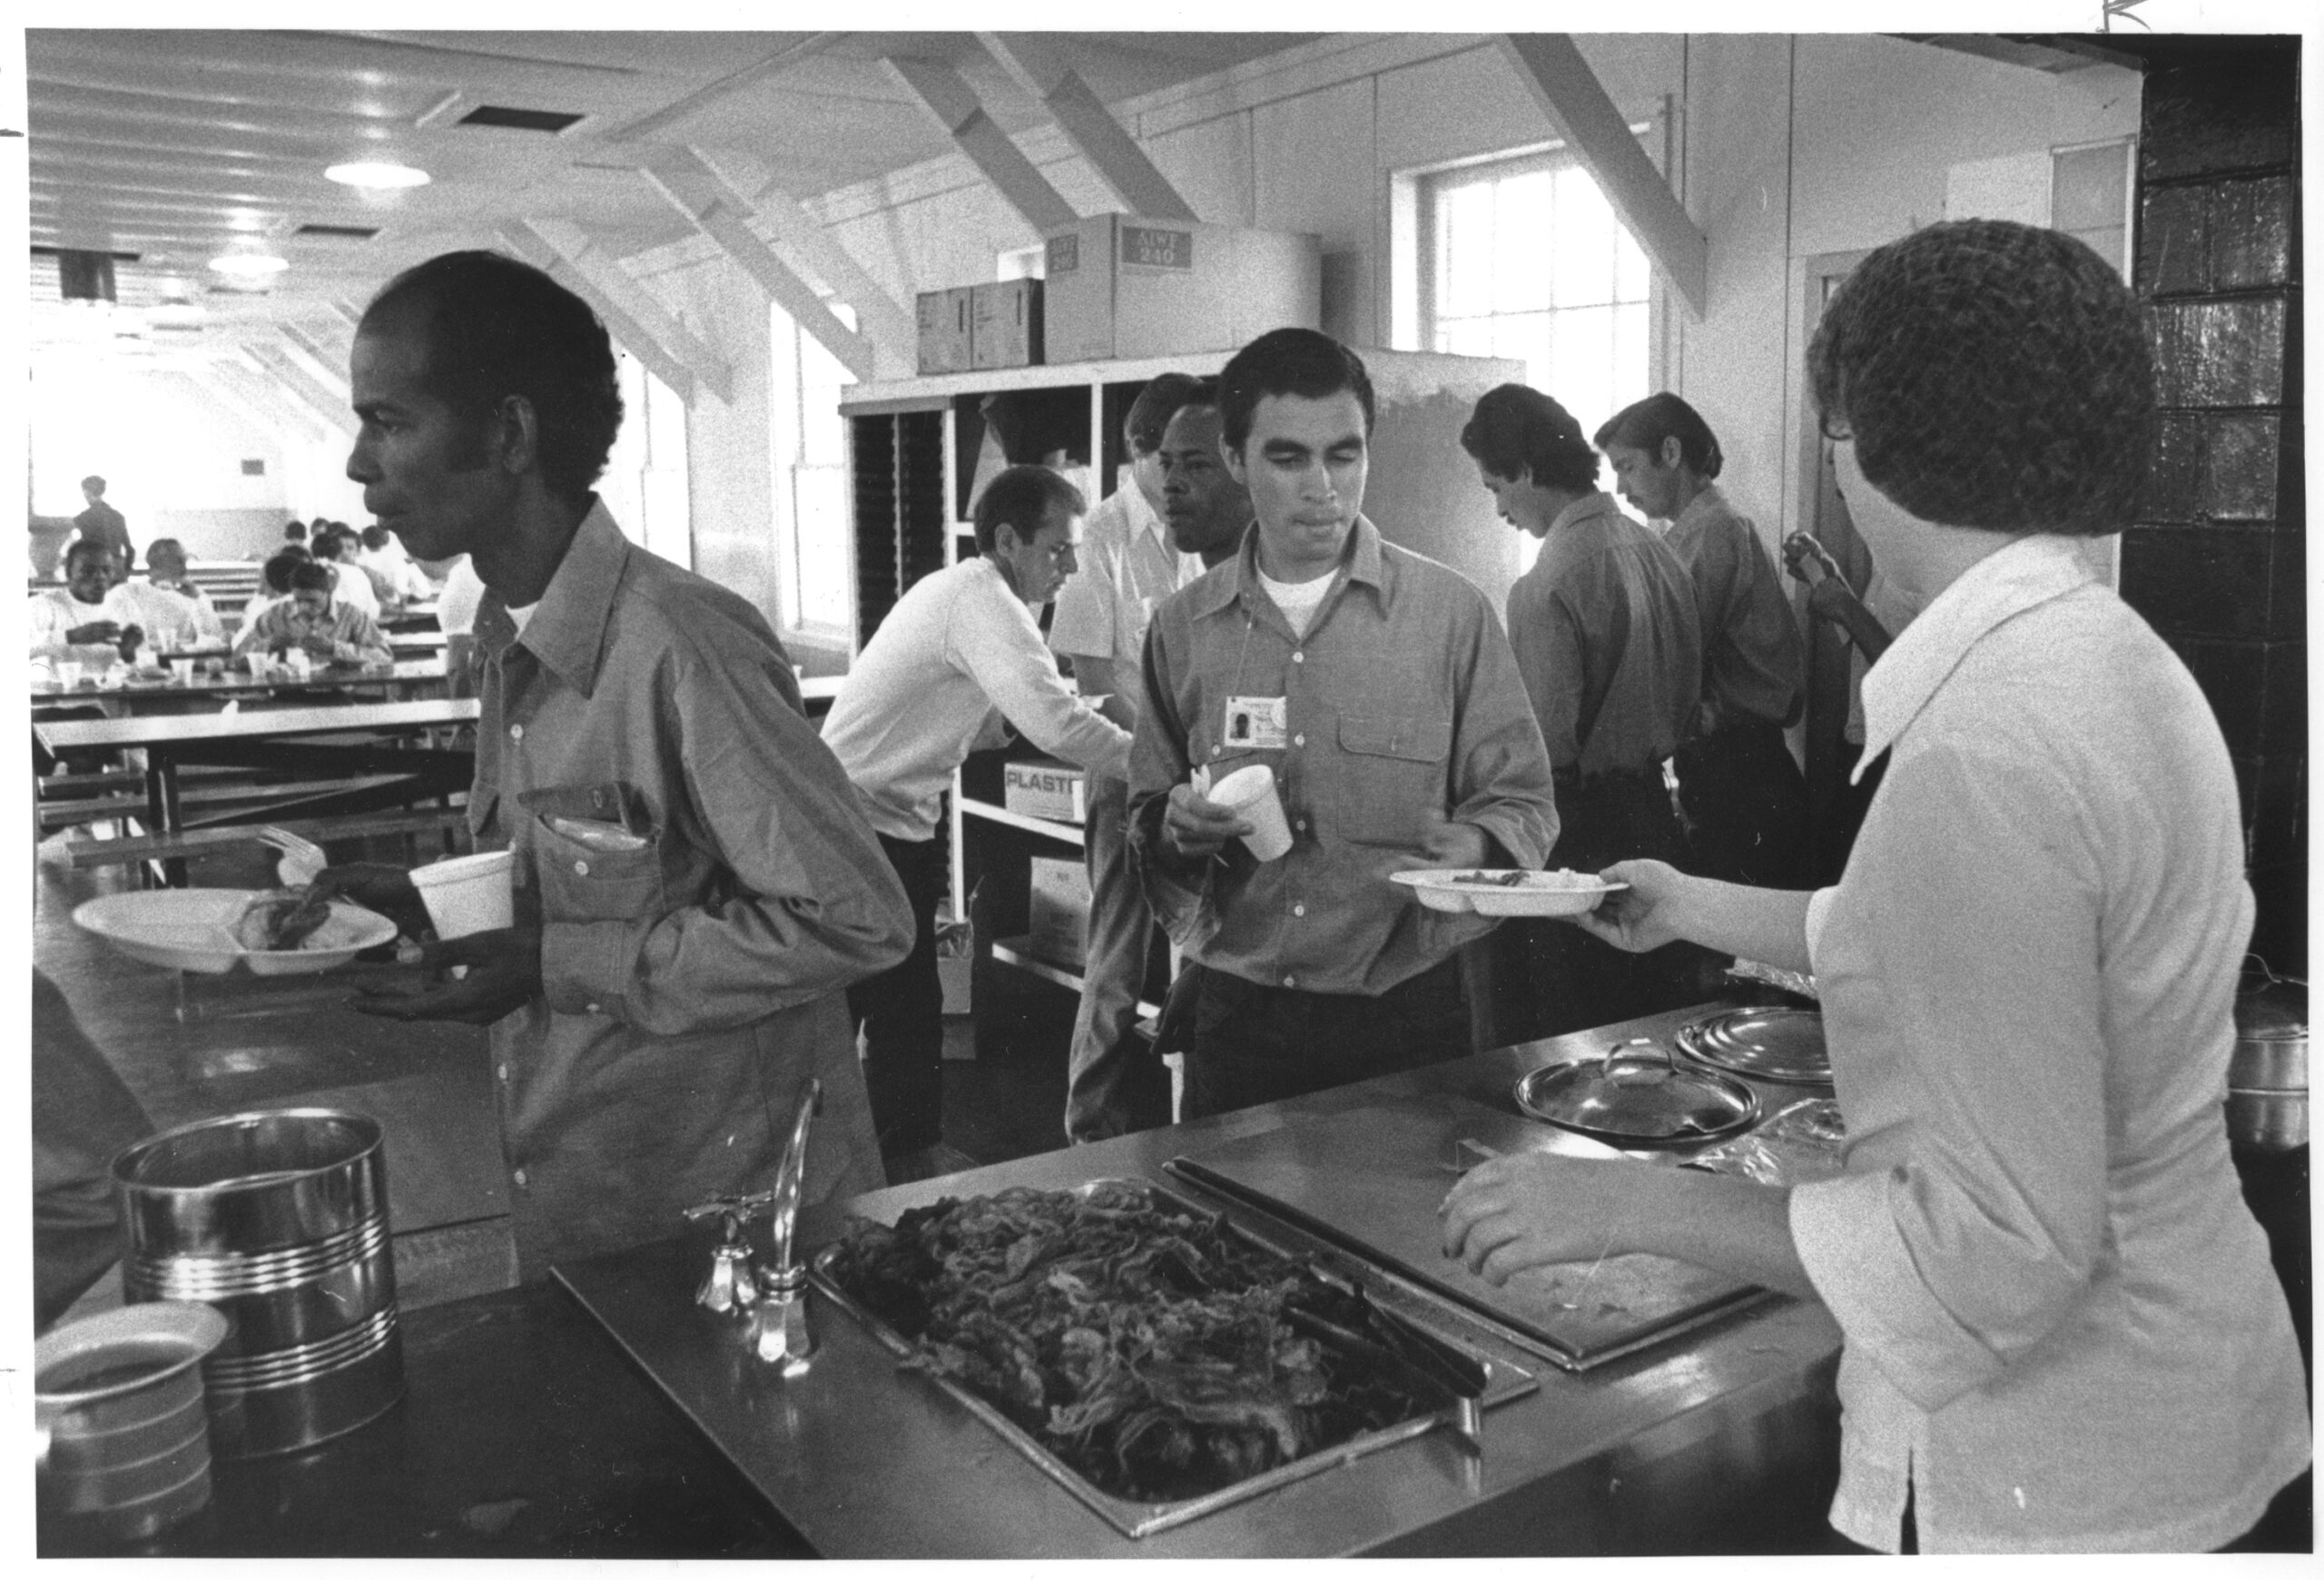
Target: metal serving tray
(1503, 1382)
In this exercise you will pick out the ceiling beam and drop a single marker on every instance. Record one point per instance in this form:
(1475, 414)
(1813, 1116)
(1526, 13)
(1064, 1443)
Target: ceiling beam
(266, 419)
(634, 297)
(956, 108)
(723, 214)
(251, 371)
(294, 380)
(615, 306)
(657, 122)
(316, 364)
(1568, 92)
(894, 332)
(328, 349)
(1040, 69)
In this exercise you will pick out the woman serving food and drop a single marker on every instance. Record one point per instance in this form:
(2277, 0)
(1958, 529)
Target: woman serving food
(2061, 1329)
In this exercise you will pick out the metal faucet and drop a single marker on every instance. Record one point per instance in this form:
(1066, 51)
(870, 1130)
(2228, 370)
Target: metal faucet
(779, 1321)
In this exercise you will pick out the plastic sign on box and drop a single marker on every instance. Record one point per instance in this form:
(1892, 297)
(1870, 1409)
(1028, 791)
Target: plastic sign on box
(1057, 791)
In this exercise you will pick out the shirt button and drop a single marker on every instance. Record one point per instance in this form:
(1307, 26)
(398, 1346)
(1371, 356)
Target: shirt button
(1295, 910)
(504, 1073)
(593, 1009)
(1299, 740)
(582, 868)
(516, 732)
(519, 1177)
(1300, 824)
(1291, 982)
(1299, 658)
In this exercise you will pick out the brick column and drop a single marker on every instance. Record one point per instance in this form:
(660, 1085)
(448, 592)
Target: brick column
(2215, 561)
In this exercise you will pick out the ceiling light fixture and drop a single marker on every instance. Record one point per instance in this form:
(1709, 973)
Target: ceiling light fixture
(377, 175)
(249, 265)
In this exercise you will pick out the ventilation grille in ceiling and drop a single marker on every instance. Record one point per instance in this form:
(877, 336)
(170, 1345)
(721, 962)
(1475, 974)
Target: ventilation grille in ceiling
(550, 121)
(338, 233)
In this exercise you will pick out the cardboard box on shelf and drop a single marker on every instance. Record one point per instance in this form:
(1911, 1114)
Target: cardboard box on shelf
(1045, 788)
(1120, 286)
(1005, 324)
(944, 330)
(1060, 911)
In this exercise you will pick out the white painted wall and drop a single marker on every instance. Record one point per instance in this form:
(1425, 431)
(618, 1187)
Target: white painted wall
(1788, 148)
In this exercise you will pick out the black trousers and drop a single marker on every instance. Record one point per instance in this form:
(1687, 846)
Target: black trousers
(1534, 977)
(1251, 1044)
(900, 1012)
(1747, 802)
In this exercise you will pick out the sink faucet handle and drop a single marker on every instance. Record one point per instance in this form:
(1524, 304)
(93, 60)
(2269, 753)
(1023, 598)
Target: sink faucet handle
(732, 1284)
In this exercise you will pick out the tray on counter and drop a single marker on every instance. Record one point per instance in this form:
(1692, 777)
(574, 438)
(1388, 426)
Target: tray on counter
(1135, 1519)
(1369, 1178)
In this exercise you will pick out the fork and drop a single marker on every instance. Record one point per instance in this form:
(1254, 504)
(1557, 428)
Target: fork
(302, 858)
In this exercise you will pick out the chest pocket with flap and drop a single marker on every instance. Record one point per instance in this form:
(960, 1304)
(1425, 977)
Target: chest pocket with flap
(1394, 775)
(597, 852)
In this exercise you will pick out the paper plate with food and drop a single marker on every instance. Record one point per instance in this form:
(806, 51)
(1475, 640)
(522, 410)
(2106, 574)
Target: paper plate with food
(272, 932)
(1508, 891)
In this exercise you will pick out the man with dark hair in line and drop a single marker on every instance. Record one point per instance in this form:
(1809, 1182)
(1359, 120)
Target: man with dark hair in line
(1744, 796)
(956, 661)
(1607, 639)
(314, 621)
(101, 524)
(694, 884)
(1377, 687)
(1127, 565)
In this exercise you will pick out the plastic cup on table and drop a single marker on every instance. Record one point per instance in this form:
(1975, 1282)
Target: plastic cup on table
(468, 894)
(1251, 792)
(68, 673)
(182, 669)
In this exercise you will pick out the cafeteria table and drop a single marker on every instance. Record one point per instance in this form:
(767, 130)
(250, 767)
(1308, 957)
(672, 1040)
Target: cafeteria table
(404, 679)
(285, 738)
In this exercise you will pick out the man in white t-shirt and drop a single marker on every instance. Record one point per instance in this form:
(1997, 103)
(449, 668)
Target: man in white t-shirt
(91, 611)
(1128, 563)
(957, 655)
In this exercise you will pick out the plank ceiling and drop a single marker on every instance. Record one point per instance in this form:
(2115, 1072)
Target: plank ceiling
(179, 146)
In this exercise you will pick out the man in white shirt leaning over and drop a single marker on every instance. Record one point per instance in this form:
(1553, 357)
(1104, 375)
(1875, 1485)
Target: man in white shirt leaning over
(959, 655)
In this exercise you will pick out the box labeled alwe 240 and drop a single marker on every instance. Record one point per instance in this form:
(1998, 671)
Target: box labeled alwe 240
(1043, 788)
(1118, 286)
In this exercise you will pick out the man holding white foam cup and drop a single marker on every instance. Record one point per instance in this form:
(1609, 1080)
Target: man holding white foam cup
(1376, 690)
(692, 883)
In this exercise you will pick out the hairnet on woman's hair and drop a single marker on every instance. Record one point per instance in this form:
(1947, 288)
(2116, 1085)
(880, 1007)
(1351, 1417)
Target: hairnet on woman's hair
(1992, 375)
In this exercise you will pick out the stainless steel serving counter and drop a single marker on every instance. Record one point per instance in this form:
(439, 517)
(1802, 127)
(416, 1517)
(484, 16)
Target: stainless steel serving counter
(1723, 1439)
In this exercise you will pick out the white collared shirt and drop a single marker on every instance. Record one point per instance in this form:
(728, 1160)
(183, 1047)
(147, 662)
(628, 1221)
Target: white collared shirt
(1126, 567)
(2064, 1332)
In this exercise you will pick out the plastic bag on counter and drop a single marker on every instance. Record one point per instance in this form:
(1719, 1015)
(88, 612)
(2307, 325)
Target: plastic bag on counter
(1803, 1142)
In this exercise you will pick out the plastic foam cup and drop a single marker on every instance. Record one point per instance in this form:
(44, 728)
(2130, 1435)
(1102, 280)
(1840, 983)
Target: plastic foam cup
(182, 669)
(68, 673)
(1251, 792)
(468, 894)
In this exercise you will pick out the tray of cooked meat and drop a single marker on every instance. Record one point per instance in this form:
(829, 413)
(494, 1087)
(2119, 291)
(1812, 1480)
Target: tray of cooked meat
(1158, 1360)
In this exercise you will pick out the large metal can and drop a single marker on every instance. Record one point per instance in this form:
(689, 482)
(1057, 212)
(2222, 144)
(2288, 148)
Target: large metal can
(280, 1220)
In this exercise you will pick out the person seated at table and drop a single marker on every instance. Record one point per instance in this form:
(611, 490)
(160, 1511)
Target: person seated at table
(348, 585)
(274, 585)
(313, 621)
(393, 575)
(91, 616)
(165, 573)
(2060, 1329)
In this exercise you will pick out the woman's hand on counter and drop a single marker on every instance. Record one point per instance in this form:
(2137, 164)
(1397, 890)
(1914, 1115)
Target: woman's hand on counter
(1533, 1210)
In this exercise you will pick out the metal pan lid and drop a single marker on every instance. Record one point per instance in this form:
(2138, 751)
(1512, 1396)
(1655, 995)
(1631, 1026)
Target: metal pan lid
(1638, 1095)
(1767, 1044)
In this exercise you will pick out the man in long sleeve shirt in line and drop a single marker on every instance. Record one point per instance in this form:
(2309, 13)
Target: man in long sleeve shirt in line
(1606, 633)
(1128, 563)
(694, 882)
(1378, 688)
(1744, 796)
(959, 655)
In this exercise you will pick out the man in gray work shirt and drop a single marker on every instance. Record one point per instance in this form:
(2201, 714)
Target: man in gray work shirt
(1377, 686)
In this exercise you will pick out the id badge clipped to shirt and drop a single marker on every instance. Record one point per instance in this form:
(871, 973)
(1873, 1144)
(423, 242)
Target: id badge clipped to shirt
(1257, 724)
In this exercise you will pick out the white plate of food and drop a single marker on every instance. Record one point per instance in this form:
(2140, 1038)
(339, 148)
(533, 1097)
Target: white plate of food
(273, 932)
(1508, 891)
